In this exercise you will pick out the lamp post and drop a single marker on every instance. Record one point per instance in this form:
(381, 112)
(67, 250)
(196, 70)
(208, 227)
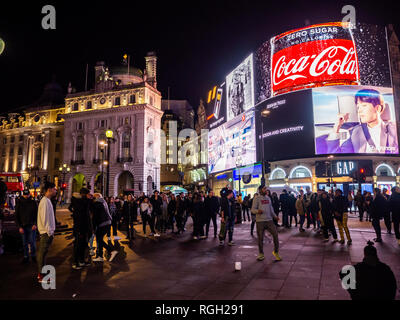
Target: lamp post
(110, 138)
(264, 113)
(64, 169)
(102, 144)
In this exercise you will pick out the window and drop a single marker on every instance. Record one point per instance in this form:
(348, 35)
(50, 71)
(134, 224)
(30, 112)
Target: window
(57, 147)
(38, 156)
(278, 174)
(19, 165)
(132, 99)
(20, 151)
(384, 170)
(79, 148)
(3, 152)
(102, 123)
(11, 151)
(21, 138)
(58, 134)
(126, 144)
(117, 101)
(79, 126)
(127, 120)
(88, 105)
(151, 100)
(56, 163)
(300, 172)
(75, 107)
(12, 139)
(5, 140)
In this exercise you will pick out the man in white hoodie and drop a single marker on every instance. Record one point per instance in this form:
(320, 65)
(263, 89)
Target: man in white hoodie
(46, 225)
(265, 216)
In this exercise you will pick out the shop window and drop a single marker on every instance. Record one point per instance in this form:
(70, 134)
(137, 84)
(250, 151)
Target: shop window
(278, 174)
(384, 170)
(300, 172)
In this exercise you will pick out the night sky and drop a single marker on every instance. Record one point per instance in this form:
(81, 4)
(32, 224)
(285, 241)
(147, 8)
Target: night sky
(197, 42)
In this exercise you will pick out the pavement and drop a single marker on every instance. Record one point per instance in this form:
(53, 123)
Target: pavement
(179, 268)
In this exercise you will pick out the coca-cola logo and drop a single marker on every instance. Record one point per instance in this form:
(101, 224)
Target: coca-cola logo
(315, 61)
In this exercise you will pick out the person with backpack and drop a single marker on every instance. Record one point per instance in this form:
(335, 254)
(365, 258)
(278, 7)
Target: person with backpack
(102, 223)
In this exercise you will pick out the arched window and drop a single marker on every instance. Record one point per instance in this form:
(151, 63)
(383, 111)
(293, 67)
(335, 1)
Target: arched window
(126, 145)
(75, 107)
(278, 174)
(132, 99)
(384, 170)
(79, 148)
(300, 172)
(38, 156)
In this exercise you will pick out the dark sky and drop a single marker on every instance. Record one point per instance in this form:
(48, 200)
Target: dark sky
(197, 42)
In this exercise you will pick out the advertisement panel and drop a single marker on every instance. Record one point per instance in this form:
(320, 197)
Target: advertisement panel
(240, 89)
(216, 106)
(354, 119)
(287, 131)
(232, 144)
(322, 55)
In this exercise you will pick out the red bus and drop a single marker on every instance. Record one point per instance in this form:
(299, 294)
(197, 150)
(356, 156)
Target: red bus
(13, 181)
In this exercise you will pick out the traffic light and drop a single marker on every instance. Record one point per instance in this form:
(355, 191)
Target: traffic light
(64, 186)
(362, 177)
(267, 167)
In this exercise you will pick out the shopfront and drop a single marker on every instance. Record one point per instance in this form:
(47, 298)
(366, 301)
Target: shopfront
(246, 180)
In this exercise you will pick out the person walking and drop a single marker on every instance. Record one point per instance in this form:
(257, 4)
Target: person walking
(292, 210)
(46, 226)
(253, 215)
(340, 208)
(188, 209)
(276, 206)
(198, 217)
(245, 208)
(180, 213)
(212, 208)
(326, 217)
(164, 213)
(227, 216)
(301, 210)
(285, 207)
(350, 201)
(307, 203)
(171, 212)
(26, 211)
(80, 207)
(359, 204)
(115, 215)
(146, 214)
(156, 203)
(374, 280)
(265, 216)
(378, 207)
(394, 204)
(102, 223)
(368, 206)
(386, 212)
(129, 210)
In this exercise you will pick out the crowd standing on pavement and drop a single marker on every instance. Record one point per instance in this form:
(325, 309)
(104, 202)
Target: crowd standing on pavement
(96, 218)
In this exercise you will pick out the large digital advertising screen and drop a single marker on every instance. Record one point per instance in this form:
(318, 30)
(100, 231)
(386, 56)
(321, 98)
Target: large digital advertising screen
(287, 130)
(328, 120)
(240, 89)
(354, 119)
(327, 54)
(216, 106)
(232, 144)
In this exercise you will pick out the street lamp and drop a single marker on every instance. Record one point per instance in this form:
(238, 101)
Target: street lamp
(110, 138)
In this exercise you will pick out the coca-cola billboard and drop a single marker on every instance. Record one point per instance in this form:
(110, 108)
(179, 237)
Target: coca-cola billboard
(322, 55)
(318, 55)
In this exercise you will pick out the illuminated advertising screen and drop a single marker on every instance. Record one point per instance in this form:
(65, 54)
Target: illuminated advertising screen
(328, 120)
(354, 119)
(216, 106)
(232, 144)
(240, 89)
(287, 130)
(327, 54)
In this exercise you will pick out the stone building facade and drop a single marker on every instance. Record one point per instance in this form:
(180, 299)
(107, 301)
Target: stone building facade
(129, 104)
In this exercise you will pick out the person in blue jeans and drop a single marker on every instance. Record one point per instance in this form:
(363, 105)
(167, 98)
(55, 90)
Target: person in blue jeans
(26, 218)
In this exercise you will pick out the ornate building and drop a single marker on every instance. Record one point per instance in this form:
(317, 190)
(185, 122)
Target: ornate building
(31, 141)
(178, 114)
(129, 104)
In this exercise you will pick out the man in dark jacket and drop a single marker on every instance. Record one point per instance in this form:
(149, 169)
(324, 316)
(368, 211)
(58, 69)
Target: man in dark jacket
(374, 279)
(156, 203)
(227, 216)
(80, 207)
(386, 212)
(394, 204)
(129, 210)
(180, 212)
(285, 206)
(340, 211)
(26, 219)
(378, 207)
(212, 208)
(359, 202)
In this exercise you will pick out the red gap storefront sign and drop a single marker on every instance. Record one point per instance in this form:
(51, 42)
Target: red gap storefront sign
(318, 55)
